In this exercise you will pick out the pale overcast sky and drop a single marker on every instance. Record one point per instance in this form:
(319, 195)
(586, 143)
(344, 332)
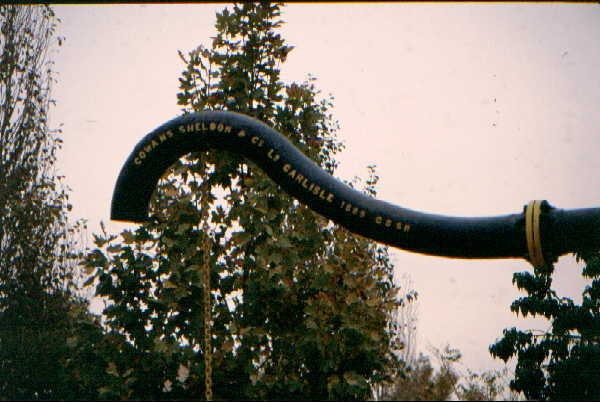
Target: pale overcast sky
(466, 109)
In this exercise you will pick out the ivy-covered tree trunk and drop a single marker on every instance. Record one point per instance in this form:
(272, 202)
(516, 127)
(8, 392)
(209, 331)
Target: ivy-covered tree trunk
(299, 305)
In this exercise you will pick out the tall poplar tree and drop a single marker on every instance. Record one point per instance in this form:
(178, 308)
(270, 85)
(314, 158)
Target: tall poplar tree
(299, 306)
(39, 311)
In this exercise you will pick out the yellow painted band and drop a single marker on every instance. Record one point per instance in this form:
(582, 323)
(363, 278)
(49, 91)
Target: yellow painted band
(532, 233)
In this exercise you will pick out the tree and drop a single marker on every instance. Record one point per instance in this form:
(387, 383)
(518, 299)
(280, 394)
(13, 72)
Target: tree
(39, 311)
(492, 385)
(421, 381)
(564, 362)
(402, 326)
(403, 320)
(298, 305)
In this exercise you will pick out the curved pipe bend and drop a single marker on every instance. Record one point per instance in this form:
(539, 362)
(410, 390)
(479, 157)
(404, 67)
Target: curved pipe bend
(509, 236)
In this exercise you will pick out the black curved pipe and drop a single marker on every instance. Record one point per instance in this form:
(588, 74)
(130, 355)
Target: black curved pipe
(507, 236)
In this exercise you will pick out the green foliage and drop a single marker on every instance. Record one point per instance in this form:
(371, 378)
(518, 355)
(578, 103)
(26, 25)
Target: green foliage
(49, 355)
(299, 305)
(487, 386)
(31, 203)
(563, 363)
(421, 381)
(41, 318)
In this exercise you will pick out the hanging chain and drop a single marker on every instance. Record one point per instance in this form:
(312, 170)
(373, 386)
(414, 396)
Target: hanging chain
(207, 321)
(206, 301)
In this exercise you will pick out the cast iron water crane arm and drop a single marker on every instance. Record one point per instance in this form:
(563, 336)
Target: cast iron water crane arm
(539, 234)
